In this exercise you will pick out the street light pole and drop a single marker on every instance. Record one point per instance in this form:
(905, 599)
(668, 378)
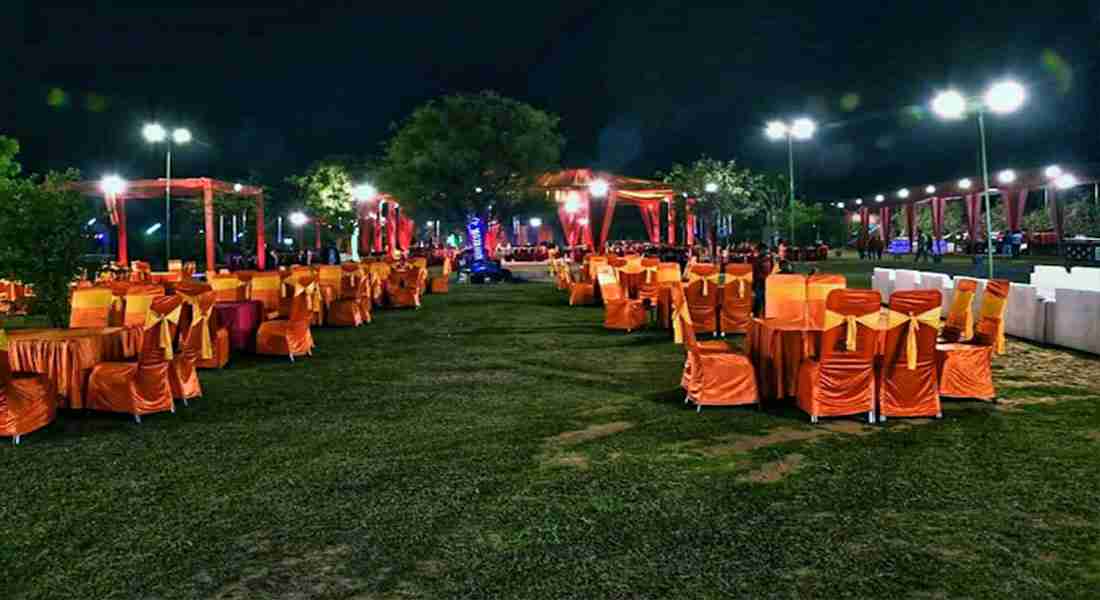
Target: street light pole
(167, 206)
(985, 178)
(790, 165)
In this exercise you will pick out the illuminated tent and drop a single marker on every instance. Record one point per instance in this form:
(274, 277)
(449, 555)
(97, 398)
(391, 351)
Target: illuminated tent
(147, 189)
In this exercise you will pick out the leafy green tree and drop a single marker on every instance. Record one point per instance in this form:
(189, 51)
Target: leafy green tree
(9, 147)
(44, 238)
(720, 188)
(328, 191)
(469, 154)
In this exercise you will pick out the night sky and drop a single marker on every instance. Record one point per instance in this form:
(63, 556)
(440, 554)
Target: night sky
(639, 86)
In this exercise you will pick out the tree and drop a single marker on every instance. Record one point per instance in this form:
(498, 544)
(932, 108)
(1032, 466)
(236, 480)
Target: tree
(328, 189)
(8, 149)
(465, 155)
(44, 238)
(720, 188)
(771, 199)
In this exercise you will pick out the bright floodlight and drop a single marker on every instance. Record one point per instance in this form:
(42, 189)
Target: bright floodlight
(711, 187)
(930, 189)
(776, 130)
(598, 188)
(860, 200)
(1066, 181)
(535, 222)
(1005, 97)
(572, 205)
(841, 204)
(364, 191)
(879, 198)
(298, 218)
(1053, 172)
(964, 184)
(152, 229)
(949, 105)
(803, 129)
(112, 185)
(181, 136)
(154, 133)
(1007, 176)
(583, 221)
(91, 221)
(237, 187)
(903, 193)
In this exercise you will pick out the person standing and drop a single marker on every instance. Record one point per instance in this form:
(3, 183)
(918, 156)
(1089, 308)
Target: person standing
(762, 266)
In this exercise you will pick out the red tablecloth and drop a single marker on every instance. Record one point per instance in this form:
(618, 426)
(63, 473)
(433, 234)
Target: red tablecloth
(243, 320)
(67, 356)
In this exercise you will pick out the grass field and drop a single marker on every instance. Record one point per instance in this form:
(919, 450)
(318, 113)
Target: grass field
(498, 443)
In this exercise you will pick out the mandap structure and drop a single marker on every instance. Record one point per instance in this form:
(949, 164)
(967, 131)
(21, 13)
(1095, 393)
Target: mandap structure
(198, 187)
(383, 226)
(573, 191)
(1013, 187)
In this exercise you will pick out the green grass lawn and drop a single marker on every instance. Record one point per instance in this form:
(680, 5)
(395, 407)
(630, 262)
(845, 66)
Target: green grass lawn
(498, 443)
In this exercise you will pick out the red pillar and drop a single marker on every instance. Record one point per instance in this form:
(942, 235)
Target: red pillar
(208, 226)
(938, 205)
(391, 228)
(911, 225)
(261, 238)
(671, 220)
(316, 234)
(608, 214)
(123, 242)
(689, 224)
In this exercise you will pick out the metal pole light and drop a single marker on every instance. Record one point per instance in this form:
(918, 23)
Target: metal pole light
(800, 129)
(154, 133)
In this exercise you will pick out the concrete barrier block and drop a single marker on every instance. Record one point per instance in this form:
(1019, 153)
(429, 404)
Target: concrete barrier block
(1075, 320)
(1025, 316)
(904, 279)
(883, 281)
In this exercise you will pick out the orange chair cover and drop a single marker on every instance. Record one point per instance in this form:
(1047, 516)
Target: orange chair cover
(91, 307)
(580, 293)
(403, 288)
(265, 288)
(960, 318)
(842, 382)
(197, 343)
(966, 369)
(990, 329)
(140, 388)
(291, 337)
(702, 294)
(736, 313)
(713, 374)
(905, 391)
(229, 288)
(818, 288)
(785, 297)
(667, 275)
(348, 311)
(620, 312)
(27, 403)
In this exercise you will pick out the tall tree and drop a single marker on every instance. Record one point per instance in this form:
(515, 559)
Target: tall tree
(469, 154)
(44, 238)
(9, 147)
(327, 189)
(720, 188)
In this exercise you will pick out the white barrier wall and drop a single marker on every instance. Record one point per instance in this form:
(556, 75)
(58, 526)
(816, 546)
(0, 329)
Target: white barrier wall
(1049, 278)
(1026, 314)
(1073, 320)
(905, 279)
(939, 282)
(883, 281)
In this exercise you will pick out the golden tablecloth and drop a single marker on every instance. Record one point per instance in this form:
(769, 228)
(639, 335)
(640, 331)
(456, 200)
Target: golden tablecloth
(66, 356)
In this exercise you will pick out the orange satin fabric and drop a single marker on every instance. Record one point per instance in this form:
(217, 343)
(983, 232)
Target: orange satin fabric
(403, 288)
(440, 285)
(290, 337)
(713, 374)
(229, 288)
(905, 392)
(580, 293)
(265, 288)
(818, 288)
(348, 311)
(785, 297)
(668, 274)
(620, 312)
(990, 329)
(27, 403)
(137, 388)
(65, 356)
(91, 307)
(960, 318)
(196, 340)
(736, 313)
(965, 370)
(702, 299)
(841, 382)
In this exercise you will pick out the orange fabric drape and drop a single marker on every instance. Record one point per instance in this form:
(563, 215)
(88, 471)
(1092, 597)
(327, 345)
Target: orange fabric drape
(785, 297)
(818, 287)
(620, 312)
(736, 313)
(26, 403)
(905, 391)
(713, 374)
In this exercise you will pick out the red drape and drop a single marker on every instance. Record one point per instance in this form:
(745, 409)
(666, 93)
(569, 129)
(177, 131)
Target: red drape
(911, 224)
(864, 222)
(689, 224)
(391, 228)
(654, 210)
(1014, 208)
(492, 235)
(671, 220)
(647, 220)
(405, 231)
(973, 214)
(1057, 215)
(884, 224)
(938, 205)
(608, 214)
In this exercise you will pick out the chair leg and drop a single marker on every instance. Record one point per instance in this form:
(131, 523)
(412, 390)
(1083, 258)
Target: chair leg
(15, 440)
(292, 358)
(137, 419)
(813, 419)
(173, 408)
(871, 417)
(186, 403)
(698, 409)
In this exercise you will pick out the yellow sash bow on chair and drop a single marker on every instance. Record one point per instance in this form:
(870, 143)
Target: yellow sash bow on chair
(650, 272)
(682, 312)
(693, 277)
(198, 317)
(993, 307)
(741, 281)
(835, 319)
(3, 341)
(930, 318)
(152, 318)
(964, 301)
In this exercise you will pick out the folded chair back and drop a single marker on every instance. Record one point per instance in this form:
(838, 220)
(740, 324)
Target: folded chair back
(960, 318)
(139, 299)
(175, 265)
(703, 269)
(912, 327)
(265, 289)
(594, 262)
(197, 338)
(305, 296)
(419, 262)
(990, 330)
(852, 319)
(668, 272)
(818, 288)
(330, 275)
(610, 289)
(228, 288)
(737, 298)
(91, 307)
(160, 325)
(682, 324)
(785, 297)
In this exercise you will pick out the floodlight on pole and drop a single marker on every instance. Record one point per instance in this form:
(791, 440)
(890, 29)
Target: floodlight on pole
(112, 185)
(155, 133)
(1006, 177)
(800, 129)
(860, 200)
(879, 198)
(535, 222)
(776, 130)
(1053, 172)
(949, 104)
(237, 187)
(364, 191)
(1066, 181)
(965, 183)
(1005, 97)
(598, 188)
(711, 187)
(298, 218)
(803, 129)
(903, 193)
(930, 189)
(181, 136)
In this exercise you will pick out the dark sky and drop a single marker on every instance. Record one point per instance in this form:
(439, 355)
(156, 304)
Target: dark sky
(639, 85)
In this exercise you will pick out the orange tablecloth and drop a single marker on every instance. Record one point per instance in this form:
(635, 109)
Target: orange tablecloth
(66, 356)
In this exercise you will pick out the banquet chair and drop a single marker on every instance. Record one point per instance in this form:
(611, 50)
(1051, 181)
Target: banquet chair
(265, 288)
(380, 275)
(137, 303)
(175, 265)
(140, 271)
(713, 375)
(592, 263)
(196, 343)
(785, 297)
(91, 307)
(291, 336)
(959, 326)
(142, 387)
(668, 274)
(818, 288)
(441, 283)
(347, 310)
(580, 293)
(330, 279)
(907, 383)
(702, 297)
(966, 368)
(27, 401)
(403, 288)
(620, 312)
(841, 381)
(649, 289)
(736, 309)
(229, 288)
(631, 277)
(218, 334)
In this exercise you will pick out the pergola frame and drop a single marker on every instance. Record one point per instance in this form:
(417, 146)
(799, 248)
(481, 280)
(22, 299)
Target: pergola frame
(204, 187)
